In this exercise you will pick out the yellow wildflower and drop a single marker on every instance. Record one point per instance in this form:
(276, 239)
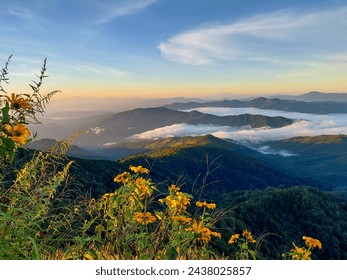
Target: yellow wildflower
(173, 188)
(179, 201)
(205, 204)
(233, 238)
(211, 206)
(144, 187)
(299, 253)
(183, 199)
(139, 169)
(204, 233)
(17, 102)
(312, 243)
(122, 178)
(182, 219)
(248, 235)
(196, 227)
(146, 218)
(200, 204)
(160, 215)
(216, 234)
(18, 133)
(171, 202)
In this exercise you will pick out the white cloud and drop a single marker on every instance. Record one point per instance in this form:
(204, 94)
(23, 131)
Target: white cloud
(97, 130)
(305, 125)
(110, 144)
(260, 37)
(267, 150)
(180, 130)
(123, 8)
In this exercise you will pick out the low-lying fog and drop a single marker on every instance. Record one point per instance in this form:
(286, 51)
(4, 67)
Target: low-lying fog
(304, 125)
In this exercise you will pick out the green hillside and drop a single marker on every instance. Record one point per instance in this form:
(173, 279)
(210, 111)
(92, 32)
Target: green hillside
(286, 215)
(240, 186)
(229, 166)
(206, 161)
(323, 157)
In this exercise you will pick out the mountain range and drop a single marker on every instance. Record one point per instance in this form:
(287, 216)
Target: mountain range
(119, 127)
(315, 96)
(316, 161)
(313, 107)
(313, 161)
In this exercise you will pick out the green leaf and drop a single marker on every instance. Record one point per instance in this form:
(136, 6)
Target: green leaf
(99, 229)
(7, 148)
(145, 257)
(93, 254)
(8, 142)
(128, 214)
(5, 115)
(171, 253)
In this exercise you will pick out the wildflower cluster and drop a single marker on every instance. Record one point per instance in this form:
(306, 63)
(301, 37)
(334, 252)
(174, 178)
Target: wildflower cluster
(303, 253)
(312, 243)
(244, 242)
(16, 112)
(131, 223)
(203, 233)
(205, 204)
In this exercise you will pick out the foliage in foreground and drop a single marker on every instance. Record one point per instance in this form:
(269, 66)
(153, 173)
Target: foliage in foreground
(131, 223)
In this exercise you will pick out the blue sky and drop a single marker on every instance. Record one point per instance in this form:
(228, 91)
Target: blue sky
(152, 48)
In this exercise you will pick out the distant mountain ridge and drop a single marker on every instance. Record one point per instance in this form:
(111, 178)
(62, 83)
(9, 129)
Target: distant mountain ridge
(324, 107)
(74, 151)
(315, 96)
(118, 127)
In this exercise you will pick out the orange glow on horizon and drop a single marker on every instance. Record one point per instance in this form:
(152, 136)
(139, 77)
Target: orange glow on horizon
(203, 92)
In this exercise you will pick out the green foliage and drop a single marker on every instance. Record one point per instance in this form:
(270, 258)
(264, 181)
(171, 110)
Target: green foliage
(321, 157)
(285, 214)
(30, 226)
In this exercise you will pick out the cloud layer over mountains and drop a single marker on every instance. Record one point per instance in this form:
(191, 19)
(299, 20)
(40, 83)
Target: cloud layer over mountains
(305, 125)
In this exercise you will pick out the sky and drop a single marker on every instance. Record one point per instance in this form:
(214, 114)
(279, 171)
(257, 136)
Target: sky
(167, 48)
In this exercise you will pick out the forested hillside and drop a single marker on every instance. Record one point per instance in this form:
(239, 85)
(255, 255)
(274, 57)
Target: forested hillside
(284, 215)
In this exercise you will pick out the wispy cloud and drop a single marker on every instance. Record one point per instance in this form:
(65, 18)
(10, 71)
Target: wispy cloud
(99, 70)
(262, 37)
(123, 8)
(26, 14)
(267, 150)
